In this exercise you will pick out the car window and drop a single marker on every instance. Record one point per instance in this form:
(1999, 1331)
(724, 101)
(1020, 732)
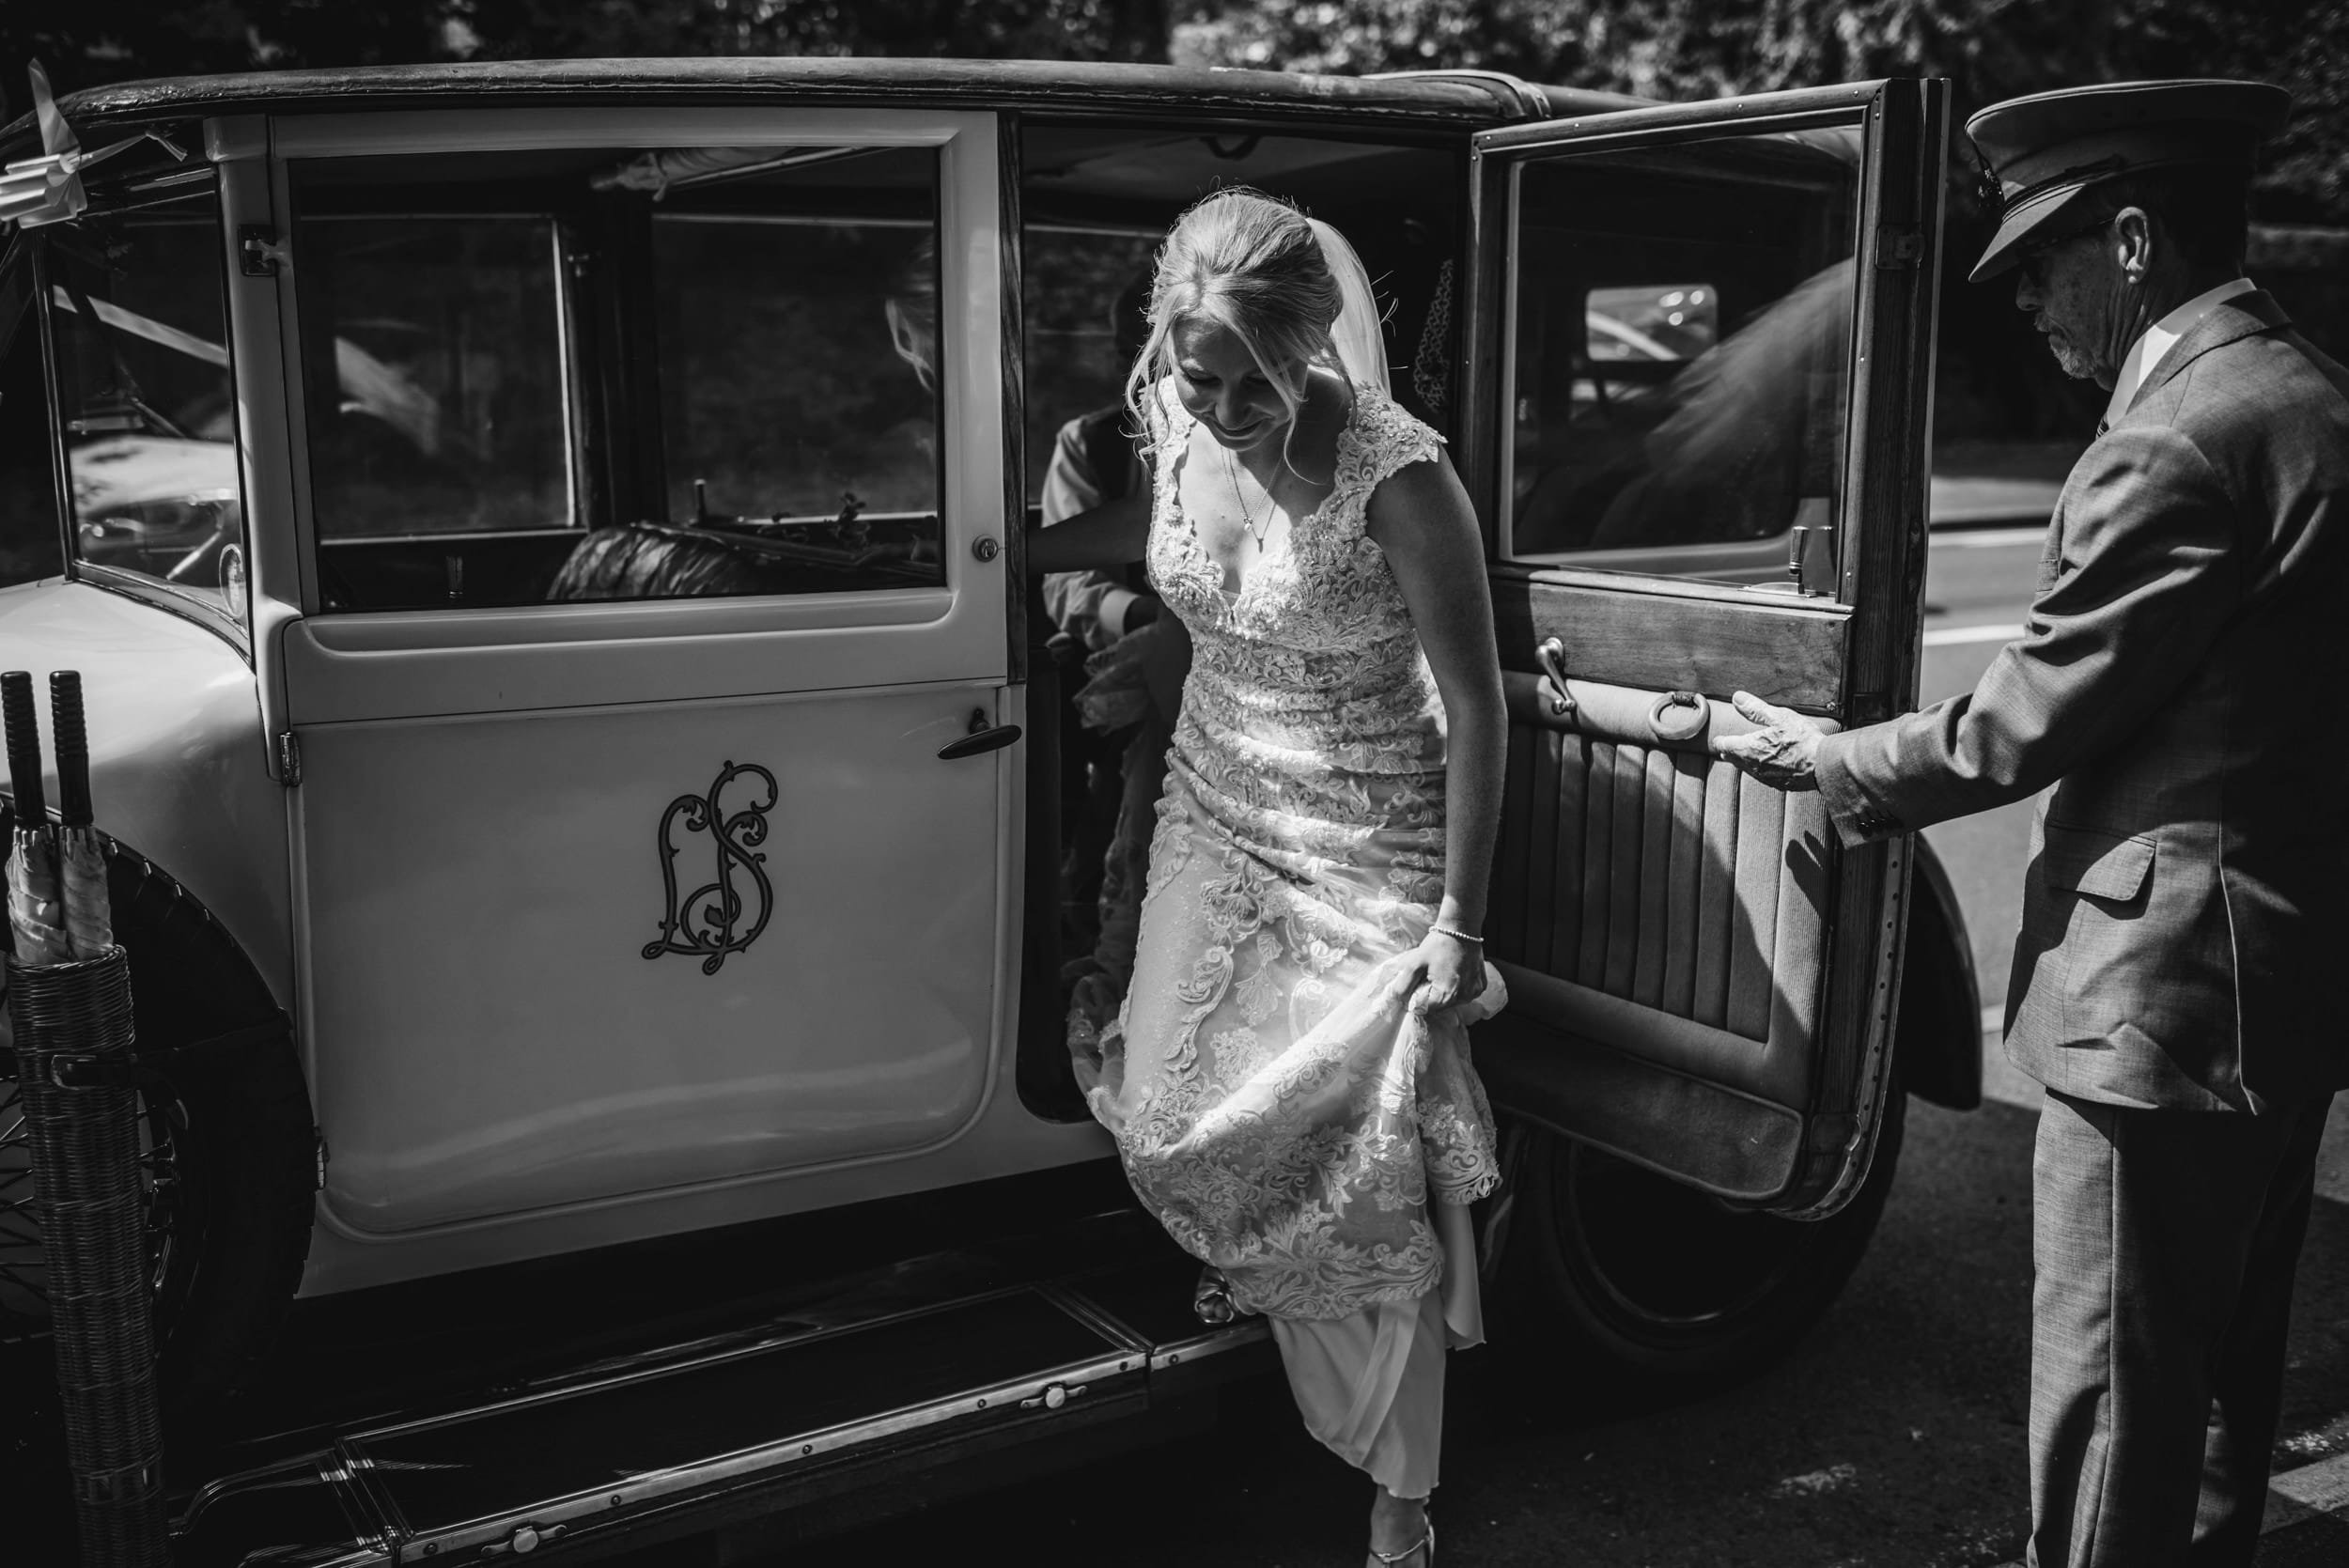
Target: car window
(798, 367)
(1075, 282)
(614, 374)
(138, 317)
(1679, 383)
(29, 547)
(433, 375)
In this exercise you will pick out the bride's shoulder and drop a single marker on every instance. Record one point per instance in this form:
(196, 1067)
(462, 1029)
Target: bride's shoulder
(1163, 417)
(1388, 437)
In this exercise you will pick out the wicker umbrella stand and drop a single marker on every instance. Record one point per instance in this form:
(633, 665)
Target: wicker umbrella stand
(73, 1038)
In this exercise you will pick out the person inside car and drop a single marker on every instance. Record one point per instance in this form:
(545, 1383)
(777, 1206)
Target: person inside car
(1112, 628)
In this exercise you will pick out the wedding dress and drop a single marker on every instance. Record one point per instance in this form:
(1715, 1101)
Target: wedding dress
(1280, 1102)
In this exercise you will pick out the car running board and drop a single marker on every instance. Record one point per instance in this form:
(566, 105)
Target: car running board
(667, 1444)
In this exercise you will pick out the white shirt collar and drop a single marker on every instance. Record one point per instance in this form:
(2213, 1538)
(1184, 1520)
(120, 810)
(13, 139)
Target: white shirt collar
(2159, 340)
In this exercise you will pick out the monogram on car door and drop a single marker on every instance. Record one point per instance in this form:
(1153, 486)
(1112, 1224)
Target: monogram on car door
(1697, 421)
(646, 688)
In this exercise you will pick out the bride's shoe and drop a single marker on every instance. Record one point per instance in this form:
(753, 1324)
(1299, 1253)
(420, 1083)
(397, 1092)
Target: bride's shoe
(1211, 1299)
(1426, 1544)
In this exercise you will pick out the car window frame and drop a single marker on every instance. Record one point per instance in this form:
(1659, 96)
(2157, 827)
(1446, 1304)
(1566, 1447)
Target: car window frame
(1592, 570)
(234, 630)
(23, 256)
(956, 135)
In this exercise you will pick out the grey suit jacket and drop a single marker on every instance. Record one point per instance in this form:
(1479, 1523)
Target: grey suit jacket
(2183, 683)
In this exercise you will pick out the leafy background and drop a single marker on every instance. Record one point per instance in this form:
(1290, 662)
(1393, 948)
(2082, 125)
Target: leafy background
(1994, 383)
(1992, 49)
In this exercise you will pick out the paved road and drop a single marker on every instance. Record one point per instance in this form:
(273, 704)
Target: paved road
(1893, 1438)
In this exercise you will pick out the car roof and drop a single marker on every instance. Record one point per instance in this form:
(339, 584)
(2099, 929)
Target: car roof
(1462, 99)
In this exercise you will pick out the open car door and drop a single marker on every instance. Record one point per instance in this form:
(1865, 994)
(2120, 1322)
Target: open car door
(1696, 417)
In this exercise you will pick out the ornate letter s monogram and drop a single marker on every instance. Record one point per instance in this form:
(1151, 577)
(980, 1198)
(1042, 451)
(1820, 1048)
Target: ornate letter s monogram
(709, 920)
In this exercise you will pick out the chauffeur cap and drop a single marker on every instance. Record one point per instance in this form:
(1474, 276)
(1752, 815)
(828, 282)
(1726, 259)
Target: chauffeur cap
(2044, 153)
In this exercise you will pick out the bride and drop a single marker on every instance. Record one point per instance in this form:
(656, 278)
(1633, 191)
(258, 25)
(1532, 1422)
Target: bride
(1288, 1075)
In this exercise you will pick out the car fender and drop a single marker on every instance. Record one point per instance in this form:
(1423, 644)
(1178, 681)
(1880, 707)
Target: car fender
(178, 760)
(1938, 1033)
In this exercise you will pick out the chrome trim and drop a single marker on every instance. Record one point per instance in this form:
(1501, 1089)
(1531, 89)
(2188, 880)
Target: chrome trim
(628, 1374)
(1199, 1348)
(367, 1558)
(323, 1466)
(778, 1454)
(373, 1540)
(169, 597)
(1097, 1318)
(866, 1305)
(384, 1525)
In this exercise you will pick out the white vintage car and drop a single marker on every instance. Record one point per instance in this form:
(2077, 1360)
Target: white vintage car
(586, 775)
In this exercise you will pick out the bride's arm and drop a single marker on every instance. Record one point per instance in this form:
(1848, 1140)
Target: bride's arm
(1111, 535)
(1422, 518)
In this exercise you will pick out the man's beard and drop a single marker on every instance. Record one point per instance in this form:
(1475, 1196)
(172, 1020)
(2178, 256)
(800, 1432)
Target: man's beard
(2068, 357)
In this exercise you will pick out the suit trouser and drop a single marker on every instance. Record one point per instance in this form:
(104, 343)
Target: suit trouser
(2163, 1244)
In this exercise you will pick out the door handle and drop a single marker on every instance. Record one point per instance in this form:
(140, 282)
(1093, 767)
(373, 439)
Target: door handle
(981, 737)
(1552, 654)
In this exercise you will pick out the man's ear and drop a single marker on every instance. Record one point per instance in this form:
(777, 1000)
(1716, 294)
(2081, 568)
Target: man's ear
(2135, 238)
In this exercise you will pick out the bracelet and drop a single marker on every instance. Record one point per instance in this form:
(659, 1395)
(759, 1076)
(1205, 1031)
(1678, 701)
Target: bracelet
(1457, 936)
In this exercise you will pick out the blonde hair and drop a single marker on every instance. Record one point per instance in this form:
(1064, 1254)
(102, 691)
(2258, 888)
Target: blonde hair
(1252, 264)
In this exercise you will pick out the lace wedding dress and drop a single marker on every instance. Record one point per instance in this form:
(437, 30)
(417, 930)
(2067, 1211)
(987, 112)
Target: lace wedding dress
(1279, 1102)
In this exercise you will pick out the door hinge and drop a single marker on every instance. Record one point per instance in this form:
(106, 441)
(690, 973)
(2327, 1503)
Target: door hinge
(257, 251)
(1900, 245)
(289, 758)
(320, 1183)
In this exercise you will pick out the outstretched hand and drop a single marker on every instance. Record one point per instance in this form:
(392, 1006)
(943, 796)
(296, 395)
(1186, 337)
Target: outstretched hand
(1782, 753)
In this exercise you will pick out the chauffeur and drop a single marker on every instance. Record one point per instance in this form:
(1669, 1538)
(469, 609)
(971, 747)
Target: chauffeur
(2179, 982)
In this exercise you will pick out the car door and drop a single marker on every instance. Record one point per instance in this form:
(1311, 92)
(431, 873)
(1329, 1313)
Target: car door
(1698, 403)
(641, 665)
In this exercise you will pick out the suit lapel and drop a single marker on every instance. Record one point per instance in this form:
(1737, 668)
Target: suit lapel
(2238, 318)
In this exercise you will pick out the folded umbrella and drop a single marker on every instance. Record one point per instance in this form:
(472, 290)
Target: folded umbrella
(35, 914)
(81, 861)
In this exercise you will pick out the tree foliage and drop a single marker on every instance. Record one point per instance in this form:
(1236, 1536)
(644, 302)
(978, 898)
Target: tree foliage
(88, 43)
(1689, 49)
(1666, 49)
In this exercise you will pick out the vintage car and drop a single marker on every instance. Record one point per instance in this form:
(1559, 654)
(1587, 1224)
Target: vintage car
(585, 765)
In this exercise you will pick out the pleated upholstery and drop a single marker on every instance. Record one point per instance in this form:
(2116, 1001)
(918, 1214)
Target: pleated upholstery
(1657, 876)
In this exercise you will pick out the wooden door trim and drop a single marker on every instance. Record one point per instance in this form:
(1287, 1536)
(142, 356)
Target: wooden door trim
(1787, 652)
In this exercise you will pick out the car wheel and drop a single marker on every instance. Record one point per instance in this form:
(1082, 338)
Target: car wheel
(1658, 1284)
(228, 1158)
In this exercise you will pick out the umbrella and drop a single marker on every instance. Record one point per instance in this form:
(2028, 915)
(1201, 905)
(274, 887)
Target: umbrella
(81, 862)
(35, 917)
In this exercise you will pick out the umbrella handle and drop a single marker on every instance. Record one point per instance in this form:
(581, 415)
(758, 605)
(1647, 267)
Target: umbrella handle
(72, 737)
(24, 742)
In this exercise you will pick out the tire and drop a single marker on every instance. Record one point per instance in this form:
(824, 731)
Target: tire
(230, 1155)
(1661, 1288)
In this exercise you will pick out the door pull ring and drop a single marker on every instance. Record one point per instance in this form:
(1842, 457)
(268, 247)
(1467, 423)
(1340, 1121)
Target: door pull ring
(1689, 725)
